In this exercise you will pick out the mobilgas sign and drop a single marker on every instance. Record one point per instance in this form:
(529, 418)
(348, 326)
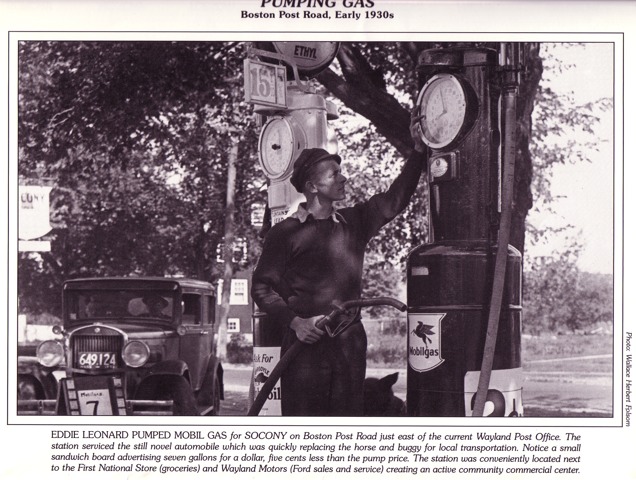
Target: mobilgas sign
(425, 341)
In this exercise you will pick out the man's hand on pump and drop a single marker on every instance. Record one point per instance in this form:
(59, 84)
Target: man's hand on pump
(306, 329)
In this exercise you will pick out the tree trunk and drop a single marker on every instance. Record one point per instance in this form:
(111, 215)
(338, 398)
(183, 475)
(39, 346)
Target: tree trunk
(522, 202)
(228, 254)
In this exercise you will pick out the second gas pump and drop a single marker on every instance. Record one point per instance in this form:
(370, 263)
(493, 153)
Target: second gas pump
(451, 281)
(295, 117)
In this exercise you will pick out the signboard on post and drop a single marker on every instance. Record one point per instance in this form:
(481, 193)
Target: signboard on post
(265, 84)
(33, 219)
(34, 212)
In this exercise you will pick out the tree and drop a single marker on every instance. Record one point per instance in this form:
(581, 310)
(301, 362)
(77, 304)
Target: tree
(558, 297)
(134, 137)
(377, 80)
(548, 288)
(551, 130)
(564, 132)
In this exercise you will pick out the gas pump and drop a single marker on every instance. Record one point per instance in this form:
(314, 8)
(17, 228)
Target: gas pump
(464, 288)
(294, 117)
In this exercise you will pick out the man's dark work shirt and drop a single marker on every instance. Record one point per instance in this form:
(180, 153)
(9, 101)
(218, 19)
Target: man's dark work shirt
(307, 265)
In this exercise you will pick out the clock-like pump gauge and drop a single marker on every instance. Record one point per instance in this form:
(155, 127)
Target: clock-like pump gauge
(444, 103)
(279, 141)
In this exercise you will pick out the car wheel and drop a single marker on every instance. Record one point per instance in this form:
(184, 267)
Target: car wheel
(179, 391)
(216, 397)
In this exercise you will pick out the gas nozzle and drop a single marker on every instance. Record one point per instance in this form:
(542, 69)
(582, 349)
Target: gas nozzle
(339, 308)
(371, 302)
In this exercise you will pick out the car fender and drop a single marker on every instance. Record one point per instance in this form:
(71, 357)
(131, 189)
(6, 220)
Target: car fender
(159, 371)
(214, 370)
(170, 367)
(41, 378)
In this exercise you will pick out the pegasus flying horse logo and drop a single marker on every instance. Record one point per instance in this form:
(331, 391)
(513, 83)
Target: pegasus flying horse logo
(423, 331)
(427, 355)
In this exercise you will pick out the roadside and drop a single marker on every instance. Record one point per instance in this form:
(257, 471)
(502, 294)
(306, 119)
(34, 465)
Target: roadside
(572, 392)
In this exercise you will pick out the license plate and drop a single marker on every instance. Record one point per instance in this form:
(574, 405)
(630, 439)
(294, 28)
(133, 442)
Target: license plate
(97, 360)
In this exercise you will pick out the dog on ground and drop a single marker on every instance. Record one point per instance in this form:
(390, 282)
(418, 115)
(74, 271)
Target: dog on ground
(379, 400)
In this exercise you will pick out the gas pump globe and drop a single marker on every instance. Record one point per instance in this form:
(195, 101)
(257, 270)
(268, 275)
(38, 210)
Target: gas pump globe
(449, 280)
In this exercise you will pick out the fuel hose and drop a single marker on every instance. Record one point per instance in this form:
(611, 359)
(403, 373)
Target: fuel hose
(509, 106)
(297, 346)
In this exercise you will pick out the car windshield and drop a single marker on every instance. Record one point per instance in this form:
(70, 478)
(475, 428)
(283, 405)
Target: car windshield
(114, 304)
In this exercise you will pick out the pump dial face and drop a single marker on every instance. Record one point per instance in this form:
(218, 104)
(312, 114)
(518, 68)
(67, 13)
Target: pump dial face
(442, 101)
(276, 147)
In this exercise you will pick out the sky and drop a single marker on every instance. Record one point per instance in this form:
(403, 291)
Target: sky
(585, 190)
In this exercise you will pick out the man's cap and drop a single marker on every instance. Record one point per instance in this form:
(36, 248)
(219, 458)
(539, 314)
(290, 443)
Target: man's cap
(307, 159)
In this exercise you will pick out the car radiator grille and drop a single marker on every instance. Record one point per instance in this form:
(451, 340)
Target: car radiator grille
(96, 343)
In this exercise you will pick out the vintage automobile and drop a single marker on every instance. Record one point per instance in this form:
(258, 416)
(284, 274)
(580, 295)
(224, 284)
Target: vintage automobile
(129, 346)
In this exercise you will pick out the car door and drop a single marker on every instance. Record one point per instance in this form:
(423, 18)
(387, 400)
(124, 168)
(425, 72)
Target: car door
(195, 340)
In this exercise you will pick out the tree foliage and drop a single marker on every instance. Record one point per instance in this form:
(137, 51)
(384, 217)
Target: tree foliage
(560, 298)
(379, 82)
(134, 137)
(564, 133)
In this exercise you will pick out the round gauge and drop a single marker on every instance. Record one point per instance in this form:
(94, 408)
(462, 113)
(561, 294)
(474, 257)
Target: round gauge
(443, 104)
(438, 167)
(276, 147)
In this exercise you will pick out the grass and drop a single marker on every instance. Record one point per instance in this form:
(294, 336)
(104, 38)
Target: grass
(389, 350)
(559, 346)
(537, 353)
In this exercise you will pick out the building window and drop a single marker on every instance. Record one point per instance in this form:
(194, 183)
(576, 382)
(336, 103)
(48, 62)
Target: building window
(239, 294)
(233, 325)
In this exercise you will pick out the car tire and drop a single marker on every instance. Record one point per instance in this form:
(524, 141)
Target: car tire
(216, 397)
(179, 391)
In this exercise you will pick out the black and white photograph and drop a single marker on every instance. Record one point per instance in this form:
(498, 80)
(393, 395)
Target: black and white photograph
(318, 238)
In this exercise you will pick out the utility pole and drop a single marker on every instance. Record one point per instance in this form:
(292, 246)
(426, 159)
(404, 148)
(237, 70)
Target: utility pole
(228, 247)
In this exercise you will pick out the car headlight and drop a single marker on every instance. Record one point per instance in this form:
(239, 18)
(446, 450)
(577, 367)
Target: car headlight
(50, 353)
(135, 353)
